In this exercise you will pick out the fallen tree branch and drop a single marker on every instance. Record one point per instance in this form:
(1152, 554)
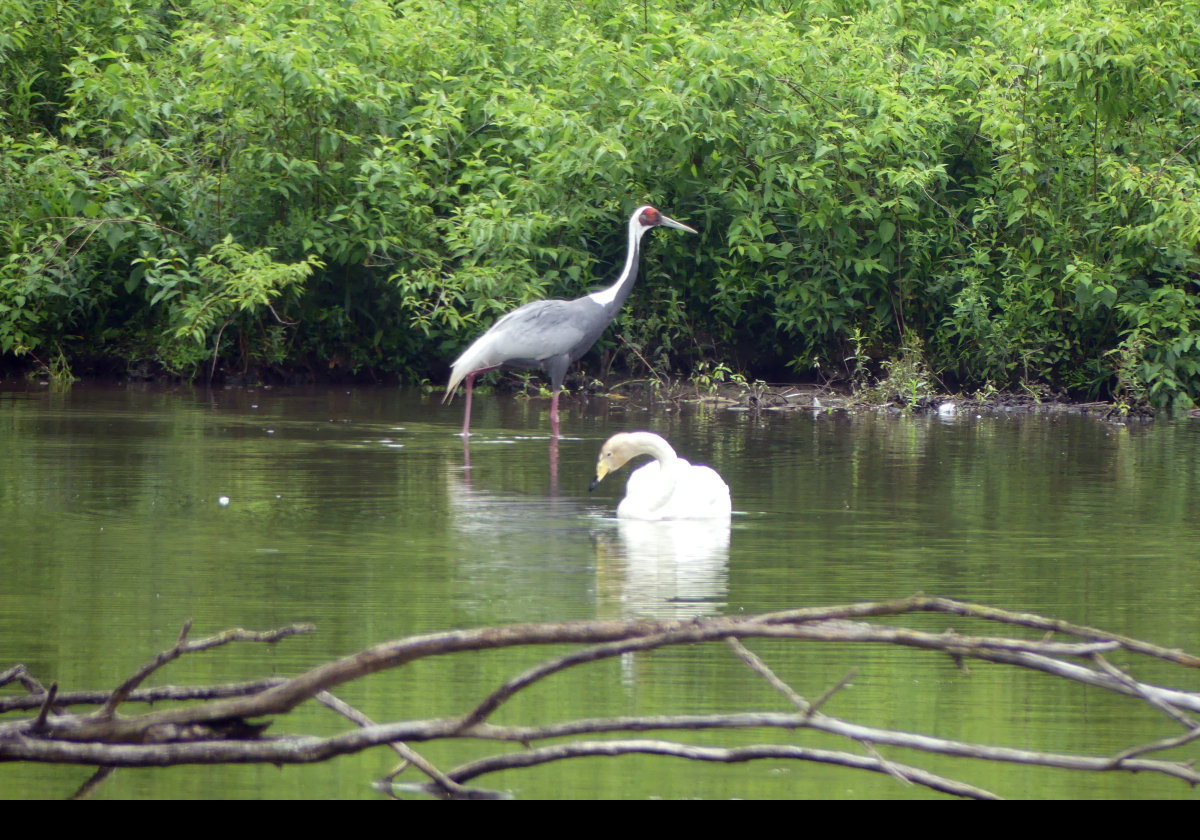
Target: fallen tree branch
(732, 755)
(223, 723)
(150, 696)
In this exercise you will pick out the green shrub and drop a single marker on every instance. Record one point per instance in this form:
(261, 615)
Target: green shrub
(1014, 187)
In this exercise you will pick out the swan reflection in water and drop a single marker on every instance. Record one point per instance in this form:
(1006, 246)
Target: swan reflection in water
(673, 569)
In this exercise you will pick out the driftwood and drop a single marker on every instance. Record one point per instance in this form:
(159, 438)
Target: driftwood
(215, 724)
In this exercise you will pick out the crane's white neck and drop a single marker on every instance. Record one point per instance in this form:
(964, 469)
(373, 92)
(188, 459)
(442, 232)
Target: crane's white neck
(606, 297)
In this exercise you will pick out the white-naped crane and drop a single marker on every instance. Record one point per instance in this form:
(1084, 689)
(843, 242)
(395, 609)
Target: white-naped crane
(551, 334)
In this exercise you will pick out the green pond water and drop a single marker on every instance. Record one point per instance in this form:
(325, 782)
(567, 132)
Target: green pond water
(354, 509)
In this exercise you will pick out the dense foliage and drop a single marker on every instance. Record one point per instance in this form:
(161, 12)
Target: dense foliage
(1008, 190)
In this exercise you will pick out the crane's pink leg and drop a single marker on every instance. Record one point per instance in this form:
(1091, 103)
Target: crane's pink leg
(470, 384)
(466, 432)
(554, 414)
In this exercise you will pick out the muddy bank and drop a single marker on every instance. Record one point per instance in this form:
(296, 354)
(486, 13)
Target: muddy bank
(812, 397)
(738, 394)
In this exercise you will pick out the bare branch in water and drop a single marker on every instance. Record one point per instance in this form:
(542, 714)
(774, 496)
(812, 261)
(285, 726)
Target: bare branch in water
(223, 724)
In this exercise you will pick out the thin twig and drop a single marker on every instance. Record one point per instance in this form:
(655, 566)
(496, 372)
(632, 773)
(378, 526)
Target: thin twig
(1137, 688)
(1156, 746)
(85, 790)
(182, 646)
(889, 767)
(18, 673)
(39, 723)
(758, 666)
(832, 690)
(408, 755)
(638, 353)
(212, 370)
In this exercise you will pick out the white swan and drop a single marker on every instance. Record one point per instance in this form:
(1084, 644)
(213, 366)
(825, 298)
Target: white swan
(666, 488)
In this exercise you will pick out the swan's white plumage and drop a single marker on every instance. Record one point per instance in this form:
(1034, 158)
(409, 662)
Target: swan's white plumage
(666, 488)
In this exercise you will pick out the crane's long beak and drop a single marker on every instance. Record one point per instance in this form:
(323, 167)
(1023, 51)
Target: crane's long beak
(669, 222)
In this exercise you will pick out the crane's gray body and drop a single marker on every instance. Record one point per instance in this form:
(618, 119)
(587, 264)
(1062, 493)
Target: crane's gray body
(546, 334)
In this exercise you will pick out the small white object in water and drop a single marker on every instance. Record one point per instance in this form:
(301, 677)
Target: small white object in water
(223, 501)
(947, 410)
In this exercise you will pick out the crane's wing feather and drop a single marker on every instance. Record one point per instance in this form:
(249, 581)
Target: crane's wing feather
(532, 335)
(539, 331)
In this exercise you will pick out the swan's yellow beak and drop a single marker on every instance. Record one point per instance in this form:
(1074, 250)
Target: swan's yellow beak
(601, 471)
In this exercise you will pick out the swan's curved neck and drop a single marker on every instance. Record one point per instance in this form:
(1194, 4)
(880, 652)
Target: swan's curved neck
(649, 444)
(668, 468)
